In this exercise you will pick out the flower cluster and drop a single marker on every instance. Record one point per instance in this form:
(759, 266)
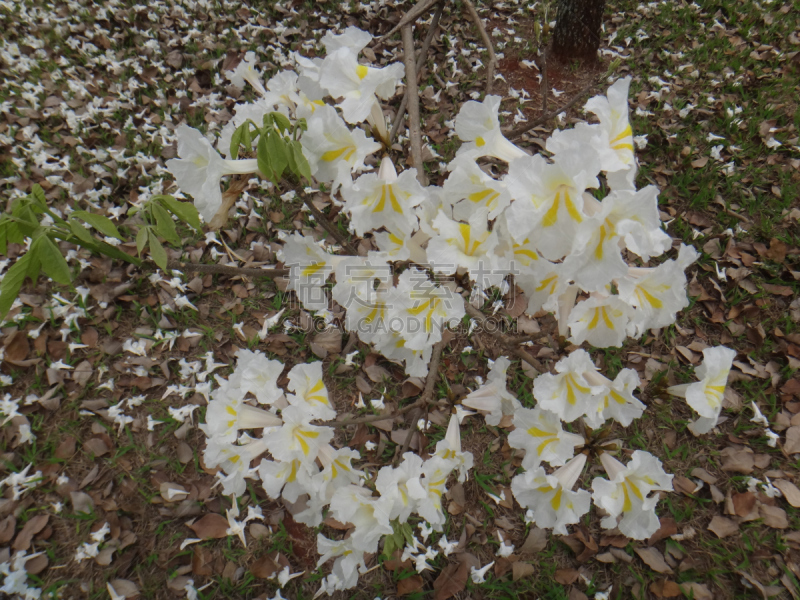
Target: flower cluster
(295, 461)
(564, 226)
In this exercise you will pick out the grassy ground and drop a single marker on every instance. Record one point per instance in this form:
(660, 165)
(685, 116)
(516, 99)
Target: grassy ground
(88, 95)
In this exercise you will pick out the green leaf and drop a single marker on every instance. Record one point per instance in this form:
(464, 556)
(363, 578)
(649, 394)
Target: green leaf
(278, 154)
(282, 121)
(236, 141)
(301, 167)
(264, 160)
(80, 232)
(185, 211)
(141, 239)
(38, 195)
(301, 124)
(99, 222)
(165, 226)
(12, 282)
(157, 252)
(53, 262)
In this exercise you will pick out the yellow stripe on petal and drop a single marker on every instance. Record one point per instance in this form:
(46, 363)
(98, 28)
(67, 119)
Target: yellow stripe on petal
(332, 155)
(555, 502)
(625, 133)
(361, 71)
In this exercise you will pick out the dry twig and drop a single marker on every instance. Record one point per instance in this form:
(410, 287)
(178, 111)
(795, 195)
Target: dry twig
(412, 92)
(411, 16)
(226, 270)
(401, 111)
(507, 342)
(329, 227)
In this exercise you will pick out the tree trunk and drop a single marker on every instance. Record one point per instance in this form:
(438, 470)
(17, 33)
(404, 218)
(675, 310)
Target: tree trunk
(577, 32)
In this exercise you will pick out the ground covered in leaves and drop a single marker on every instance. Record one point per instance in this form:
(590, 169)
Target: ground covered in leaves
(112, 373)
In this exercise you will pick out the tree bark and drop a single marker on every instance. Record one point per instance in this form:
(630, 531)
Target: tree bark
(577, 31)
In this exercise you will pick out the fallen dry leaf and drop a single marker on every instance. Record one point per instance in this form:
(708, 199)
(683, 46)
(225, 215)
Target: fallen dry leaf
(521, 569)
(698, 591)
(654, 559)
(665, 588)
(211, 526)
(789, 491)
(125, 587)
(265, 567)
(535, 542)
(774, 516)
(31, 528)
(723, 527)
(566, 576)
(409, 585)
(792, 445)
(451, 581)
(743, 503)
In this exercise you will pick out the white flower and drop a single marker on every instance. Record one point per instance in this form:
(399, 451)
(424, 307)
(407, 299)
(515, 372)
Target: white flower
(353, 504)
(616, 400)
(468, 189)
(296, 438)
(384, 200)
(465, 246)
(420, 309)
(246, 71)
(478, 124)
(258, 375)
(548, 199)
(540, 434)
(310, 393)
(550, 497)
(493, 397)
(199, 169)
(450, 449)
(309, 269)
(600, 320)
(568, 394)
(657, 293)
(357, 85)
(626, 491)
(227, 413)
(706, 395)
(478, 575)
(332, 149)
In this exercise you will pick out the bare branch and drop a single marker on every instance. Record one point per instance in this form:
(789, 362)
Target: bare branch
(411, 16)
(401, 111)
(488, 43)
(329, 227)
(412, 92)
(507, 342)
(226, 270)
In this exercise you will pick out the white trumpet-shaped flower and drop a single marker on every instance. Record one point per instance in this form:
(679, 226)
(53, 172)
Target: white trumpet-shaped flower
(478, 124)
(611, 140)
(657, 293)
(393, 345)
(467, 246)
(393, 484)
(246, 71)
(297, 438)
(359, 86)
(420, 309)
(616, 400)
(199, 169)
(356, 505)
(234, 460)
(603, 321)
(310, 393)
(540, 434)
(468, 189)
(309, 269)
(384, 200)
(548, 199)
(227, 413)
(258, 375)
(428, 490)
(333, 150)
(287, 479)
(625, 493)
(705, 396)
(450, 449)
(493, 398)
(568, 394)
(550, 498)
